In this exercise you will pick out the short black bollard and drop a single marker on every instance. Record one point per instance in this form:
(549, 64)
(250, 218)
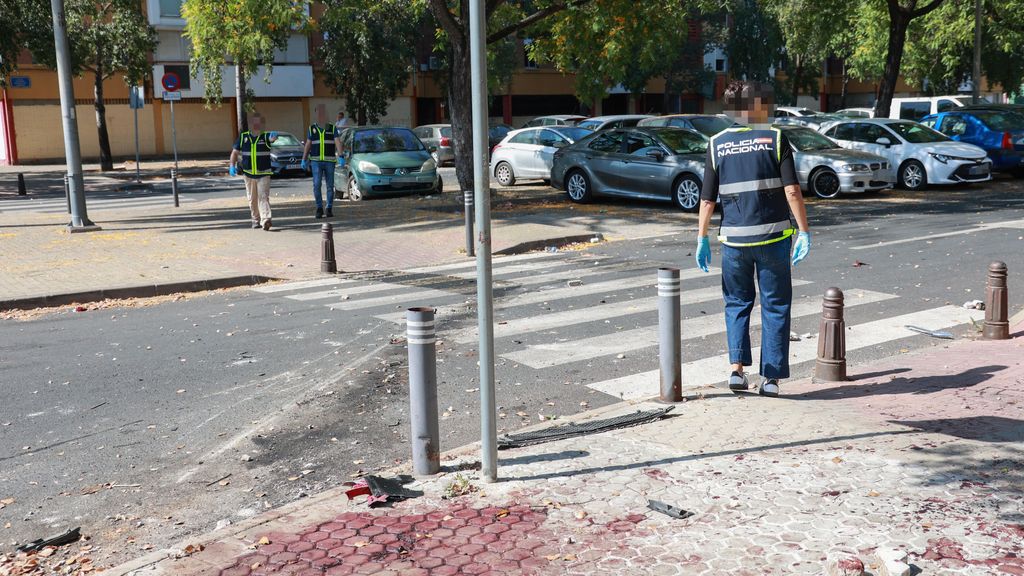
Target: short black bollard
(21, 184)
(67, 190)
(997, 323)
(328, 263)
(468, 201)
(669, 335)
(422, 344)
(831, 364)
(174, 186)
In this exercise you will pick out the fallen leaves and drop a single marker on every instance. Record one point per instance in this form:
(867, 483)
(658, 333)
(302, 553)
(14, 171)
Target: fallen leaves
(6, 502)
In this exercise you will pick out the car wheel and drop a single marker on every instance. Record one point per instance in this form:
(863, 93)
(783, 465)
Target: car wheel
(577, 186)
(824, 183)
(354, 193)
(912, 175)
(686, 192)
(503, 174)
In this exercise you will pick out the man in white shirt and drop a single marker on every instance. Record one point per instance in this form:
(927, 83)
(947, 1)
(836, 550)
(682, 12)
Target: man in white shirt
(341, 122)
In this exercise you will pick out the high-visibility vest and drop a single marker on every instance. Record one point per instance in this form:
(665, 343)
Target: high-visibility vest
(750, 189)
(255, 154)
(322, 140)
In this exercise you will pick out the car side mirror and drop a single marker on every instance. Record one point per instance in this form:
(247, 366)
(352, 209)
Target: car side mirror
(656, 154)
(884, 141)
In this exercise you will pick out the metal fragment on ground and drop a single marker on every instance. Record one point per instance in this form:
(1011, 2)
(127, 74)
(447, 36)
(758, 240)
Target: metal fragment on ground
(580, 429)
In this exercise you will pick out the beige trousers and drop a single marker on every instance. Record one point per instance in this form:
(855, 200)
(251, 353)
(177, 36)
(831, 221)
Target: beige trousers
(257, 190)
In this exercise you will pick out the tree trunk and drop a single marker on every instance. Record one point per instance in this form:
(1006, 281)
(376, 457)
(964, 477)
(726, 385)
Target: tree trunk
(846, 80)
(797, 80)
(460, 110)
(898, 23)
(106, 161)
(243, 121)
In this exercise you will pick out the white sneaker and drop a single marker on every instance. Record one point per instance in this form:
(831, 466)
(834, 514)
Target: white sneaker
(738, 381)
(769, 387)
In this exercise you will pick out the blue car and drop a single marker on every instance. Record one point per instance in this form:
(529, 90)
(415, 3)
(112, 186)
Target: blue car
(999, 132)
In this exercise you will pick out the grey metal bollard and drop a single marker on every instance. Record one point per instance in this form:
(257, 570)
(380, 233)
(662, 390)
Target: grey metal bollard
(328, 263)
(425, 438)
(670, 335)
(21, 184)
(174, 186)
(470, 241)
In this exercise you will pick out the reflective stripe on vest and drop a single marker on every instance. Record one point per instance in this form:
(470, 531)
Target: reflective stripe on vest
(749, 186)
(741, 242)
(322, 141)
(255, 154)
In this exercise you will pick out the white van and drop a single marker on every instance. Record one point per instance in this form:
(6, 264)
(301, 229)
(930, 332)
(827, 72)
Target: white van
(919, 107)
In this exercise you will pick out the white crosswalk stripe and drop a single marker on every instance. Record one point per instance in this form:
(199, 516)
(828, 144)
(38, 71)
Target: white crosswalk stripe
(708, 371)
(300, 285)
(60, 205)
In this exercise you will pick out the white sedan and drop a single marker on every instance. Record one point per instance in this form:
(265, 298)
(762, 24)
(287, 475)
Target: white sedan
(526, 154)
(920, 155)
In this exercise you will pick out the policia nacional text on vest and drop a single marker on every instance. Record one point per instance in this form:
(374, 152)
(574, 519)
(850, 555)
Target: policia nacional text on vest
(255, 152)
(322, 143)
(747, 164)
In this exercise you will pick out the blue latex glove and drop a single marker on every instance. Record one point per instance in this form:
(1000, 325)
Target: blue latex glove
(703, 253)
(272, 135)
(341, 161)
(803, 246)
(305, 164)
(232, 170)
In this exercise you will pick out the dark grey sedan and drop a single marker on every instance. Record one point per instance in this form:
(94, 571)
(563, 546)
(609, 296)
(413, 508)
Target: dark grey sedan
(656, 163)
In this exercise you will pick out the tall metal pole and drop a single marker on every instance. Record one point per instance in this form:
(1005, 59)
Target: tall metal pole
(174, 138)
(135, 109)
(72, 151)
(976, 73)
(481, 187)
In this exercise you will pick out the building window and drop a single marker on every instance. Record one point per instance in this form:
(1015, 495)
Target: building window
(181, 71)
(719, 64)
(528, 61)
(170, 8)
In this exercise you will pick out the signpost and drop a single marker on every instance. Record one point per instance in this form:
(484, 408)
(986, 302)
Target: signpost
(136, 99)
(171, 84)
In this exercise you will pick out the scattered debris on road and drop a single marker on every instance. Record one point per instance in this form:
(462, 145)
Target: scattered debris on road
(380, 490)
(669, 510)
(974, 305)
(933, 333)
(459, 486)
(61, 539)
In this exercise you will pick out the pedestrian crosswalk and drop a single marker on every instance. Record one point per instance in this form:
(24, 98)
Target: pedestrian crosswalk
(559, 313)
(58, 205)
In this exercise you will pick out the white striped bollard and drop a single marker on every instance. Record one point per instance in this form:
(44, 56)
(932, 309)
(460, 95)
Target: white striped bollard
(468, 200)
(425, 438)
(670, 335)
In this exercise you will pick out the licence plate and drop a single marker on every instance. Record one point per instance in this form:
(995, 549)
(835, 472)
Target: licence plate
(977, 170)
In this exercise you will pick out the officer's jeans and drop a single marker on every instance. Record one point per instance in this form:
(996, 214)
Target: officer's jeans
(770, 265)
(257, 190)
(323, 170)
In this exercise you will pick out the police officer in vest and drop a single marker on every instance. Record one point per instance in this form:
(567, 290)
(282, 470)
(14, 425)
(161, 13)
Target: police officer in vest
(750, 172)
(253, 148)
(322, 143)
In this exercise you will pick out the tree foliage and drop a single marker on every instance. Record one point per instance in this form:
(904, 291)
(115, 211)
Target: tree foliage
(10, 38)
(367, 52)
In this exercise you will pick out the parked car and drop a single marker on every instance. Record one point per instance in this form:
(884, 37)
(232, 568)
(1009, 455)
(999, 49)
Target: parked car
(828, 169)
(286, 155)
(706, 124)
(918, 107)
(856, 112)
(813, 121)
(920, 155)
(793, 111)
(999, 132)
(527, 153)
(606, 122)
(657, 163)
(381, 159)
(438, 140)
(555, 120)
(496, 133)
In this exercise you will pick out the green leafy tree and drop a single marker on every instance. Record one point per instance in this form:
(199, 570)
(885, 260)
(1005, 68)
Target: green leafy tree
(106, 38)
(10, 38)
(367, 52)
(900, 15)
(243, 32)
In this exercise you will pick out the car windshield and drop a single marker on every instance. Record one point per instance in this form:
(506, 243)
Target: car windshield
(683, 141)
(285, 139)
(589, 124)
(916, 133)
(574, 133)
(385, 140)
(499, 131)
(806, 140)
(711, 125)
(1001, 121)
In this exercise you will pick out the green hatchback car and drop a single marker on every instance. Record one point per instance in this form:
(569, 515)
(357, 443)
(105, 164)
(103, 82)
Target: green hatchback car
(379, 160)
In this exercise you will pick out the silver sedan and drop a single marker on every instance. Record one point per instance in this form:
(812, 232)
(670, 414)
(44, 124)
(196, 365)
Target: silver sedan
(526, 154)
(828, 170)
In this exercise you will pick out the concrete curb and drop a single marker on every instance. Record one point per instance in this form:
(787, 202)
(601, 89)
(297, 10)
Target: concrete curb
(144, 291)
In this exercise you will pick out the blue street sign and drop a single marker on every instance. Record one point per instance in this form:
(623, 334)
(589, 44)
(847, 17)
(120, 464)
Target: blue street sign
(21, 82)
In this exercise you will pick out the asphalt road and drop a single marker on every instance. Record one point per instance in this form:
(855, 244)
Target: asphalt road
(146, 425)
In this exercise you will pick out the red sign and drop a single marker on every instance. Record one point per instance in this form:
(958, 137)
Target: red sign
(170, 82)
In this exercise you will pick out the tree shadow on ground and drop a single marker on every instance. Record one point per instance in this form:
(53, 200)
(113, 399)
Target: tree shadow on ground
(904, 385)
(980, 428)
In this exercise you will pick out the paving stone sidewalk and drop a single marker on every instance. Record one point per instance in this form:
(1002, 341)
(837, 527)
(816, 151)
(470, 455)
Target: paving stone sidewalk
(919, 457)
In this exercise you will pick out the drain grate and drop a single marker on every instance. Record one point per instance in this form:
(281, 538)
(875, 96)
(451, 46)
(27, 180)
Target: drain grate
(580, 429)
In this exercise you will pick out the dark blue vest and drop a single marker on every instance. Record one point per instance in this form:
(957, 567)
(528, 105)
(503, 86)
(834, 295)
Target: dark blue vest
(750, 190)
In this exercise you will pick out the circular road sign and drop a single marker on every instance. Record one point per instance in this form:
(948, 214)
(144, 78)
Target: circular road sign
(171, 82)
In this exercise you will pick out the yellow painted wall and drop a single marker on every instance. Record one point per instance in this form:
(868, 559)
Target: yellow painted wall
(282, 117)
(41, 136)
(199, 130)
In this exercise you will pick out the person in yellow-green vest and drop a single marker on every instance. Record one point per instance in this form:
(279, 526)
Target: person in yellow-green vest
(322, 144)
(252, 150)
